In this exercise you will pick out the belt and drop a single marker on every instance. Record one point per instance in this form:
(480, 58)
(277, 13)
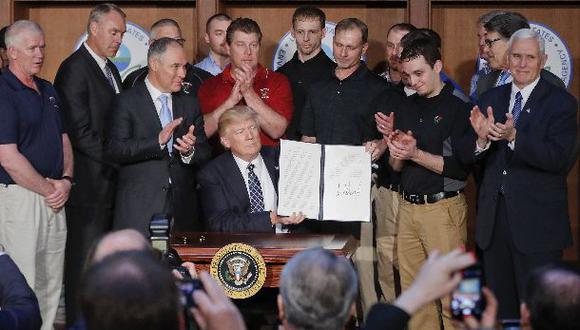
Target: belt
(429, 199)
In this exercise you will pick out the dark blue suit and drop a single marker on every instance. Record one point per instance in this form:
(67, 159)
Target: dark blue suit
(18, 305)
(224, 197)
(523, 204)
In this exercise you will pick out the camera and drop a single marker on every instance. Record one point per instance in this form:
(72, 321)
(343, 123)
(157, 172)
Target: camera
(160, 230)
(187, 287)
(467, 299)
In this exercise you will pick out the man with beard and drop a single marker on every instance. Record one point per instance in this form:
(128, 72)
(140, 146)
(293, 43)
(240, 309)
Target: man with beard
(215, 37)
(309, 64)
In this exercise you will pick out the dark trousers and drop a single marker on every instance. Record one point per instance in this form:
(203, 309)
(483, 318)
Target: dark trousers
(506, 269)
(84, 227)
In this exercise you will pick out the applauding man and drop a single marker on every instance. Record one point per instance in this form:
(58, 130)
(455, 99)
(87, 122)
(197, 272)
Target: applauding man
(158, 138)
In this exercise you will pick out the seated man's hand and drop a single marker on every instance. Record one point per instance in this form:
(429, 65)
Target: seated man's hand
(294, 219)
(214, 310)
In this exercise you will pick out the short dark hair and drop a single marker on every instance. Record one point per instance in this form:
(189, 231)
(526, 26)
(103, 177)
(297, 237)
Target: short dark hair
(425, 47)
(129, 291)
(219, 17)
(101, 10)
(422, 34)
(552, 297)
(159, 47)
(353, 23)
(243, 24)
(2, 35)
(506, 24)
(402, 27)
(309, 12)
(165, 22)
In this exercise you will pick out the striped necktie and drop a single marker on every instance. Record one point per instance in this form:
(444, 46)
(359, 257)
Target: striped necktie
(255, 188)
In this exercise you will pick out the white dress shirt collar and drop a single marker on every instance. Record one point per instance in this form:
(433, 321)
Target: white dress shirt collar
(526, 92)
(102, 63)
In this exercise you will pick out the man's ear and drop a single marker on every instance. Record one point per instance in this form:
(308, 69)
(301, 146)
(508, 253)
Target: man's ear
(225, 142)
(206, 38)
(438, 66)
(281, 313)
(93, 27)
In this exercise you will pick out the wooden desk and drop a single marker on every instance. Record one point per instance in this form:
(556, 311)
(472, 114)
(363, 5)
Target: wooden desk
(276, 249)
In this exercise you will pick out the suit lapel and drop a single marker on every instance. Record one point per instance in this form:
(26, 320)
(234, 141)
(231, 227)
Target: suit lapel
(272, 169)
(528, 108)
(94, 66)
(147, 106)
(239, 186)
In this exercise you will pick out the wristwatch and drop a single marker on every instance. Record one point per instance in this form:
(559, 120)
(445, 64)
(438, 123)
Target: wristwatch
(68, 178)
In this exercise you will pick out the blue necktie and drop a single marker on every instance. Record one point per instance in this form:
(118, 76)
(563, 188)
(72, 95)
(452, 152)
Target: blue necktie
(517, 109)
(165, 117)
(256, 196)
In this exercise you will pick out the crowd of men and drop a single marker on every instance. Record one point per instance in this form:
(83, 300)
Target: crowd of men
(93, 154)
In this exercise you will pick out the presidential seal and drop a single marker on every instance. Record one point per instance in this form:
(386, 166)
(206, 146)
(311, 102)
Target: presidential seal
(132, 55)
(240, 269)
(559, 58)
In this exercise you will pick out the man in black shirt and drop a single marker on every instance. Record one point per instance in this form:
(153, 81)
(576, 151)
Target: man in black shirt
(339, 111)
(433, 212)
(309, 64)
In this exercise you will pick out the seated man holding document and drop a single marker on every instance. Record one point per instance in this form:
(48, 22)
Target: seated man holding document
(239, 188)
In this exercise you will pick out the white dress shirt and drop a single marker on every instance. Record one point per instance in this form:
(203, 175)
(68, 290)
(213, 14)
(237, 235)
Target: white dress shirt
(268, 191)
(155, 94)
(102, 62)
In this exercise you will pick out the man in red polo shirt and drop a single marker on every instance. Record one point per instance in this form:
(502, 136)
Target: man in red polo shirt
(246, 82)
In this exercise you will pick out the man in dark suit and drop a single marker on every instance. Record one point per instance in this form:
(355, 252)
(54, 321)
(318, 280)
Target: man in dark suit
(86, 83)
(527, 141)
(238, 188)
(157, 137)
(498, 31)
(168, 28)
(18, 304)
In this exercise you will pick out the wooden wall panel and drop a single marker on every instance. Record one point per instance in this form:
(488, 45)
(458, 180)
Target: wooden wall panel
(456, 24)
(276, 19)
(65, 23)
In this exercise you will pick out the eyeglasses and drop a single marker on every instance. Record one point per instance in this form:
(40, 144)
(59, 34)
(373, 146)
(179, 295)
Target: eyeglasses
(489, 42)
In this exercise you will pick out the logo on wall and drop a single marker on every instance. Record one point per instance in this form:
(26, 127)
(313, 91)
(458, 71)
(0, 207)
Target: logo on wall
(287, 46)
(132, 55)
(559, 58)
(240, 269)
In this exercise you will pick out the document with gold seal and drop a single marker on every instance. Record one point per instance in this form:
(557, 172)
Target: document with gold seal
(240, 269)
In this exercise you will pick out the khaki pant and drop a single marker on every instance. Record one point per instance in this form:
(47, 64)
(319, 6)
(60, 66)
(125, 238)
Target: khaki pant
(386, 209)
(423, 228)
(364, 260)
(34, 237)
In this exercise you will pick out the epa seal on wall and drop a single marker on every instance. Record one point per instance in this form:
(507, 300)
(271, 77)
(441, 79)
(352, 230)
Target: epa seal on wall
(240, 269)
(132, 55)
(559, 58)
(287, 46)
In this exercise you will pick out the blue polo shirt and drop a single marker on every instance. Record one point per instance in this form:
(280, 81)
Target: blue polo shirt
(32, 122)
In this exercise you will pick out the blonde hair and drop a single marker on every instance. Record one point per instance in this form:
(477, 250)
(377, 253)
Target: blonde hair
(234, 115)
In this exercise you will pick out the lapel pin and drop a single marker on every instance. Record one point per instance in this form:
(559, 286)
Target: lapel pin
(528, 110)
(437, 119)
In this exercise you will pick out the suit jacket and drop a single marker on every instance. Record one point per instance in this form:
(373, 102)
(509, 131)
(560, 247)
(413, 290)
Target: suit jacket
(225, 200)
(533, 175)
(86, 97)
(195, 76)
(488, 81)
(145, 169)
(18, 305)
